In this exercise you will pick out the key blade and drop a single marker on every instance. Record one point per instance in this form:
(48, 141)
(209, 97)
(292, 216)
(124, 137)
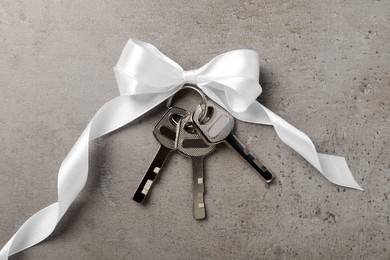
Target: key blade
(199, 210)
(151, 174)
(233, 142)
(191, 144)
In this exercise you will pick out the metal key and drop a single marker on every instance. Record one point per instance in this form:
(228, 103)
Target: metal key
(189, 143)
(165, 133)
(218, 127)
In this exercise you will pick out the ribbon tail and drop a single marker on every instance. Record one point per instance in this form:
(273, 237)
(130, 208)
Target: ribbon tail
(33, 231)
(334, 168)
(74, 169)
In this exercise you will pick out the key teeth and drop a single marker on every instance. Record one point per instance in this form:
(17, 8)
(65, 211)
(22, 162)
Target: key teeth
(139, 198)
(148, 184)
(270, 179)
(200, 214)
(199, 206)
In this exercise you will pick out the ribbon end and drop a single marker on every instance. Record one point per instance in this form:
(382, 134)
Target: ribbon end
(357, 187)
(336, 170)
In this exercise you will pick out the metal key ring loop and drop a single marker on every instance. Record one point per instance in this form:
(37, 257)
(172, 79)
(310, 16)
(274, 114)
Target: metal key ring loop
(204, 104)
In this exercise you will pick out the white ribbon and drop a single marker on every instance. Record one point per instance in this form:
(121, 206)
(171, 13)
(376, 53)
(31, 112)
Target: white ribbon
(146, 77)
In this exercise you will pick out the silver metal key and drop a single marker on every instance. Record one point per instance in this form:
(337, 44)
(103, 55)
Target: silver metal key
(165, 133)
(189, 143)
(218, 127)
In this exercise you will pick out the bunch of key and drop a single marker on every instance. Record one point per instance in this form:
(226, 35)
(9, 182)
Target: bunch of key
(195, 134)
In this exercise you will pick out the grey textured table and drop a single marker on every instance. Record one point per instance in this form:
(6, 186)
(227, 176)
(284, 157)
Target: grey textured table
(325, 69)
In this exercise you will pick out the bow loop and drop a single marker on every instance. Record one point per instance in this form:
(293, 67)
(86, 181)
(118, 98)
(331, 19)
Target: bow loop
(142, 69)
(238, 63)
(240, 94)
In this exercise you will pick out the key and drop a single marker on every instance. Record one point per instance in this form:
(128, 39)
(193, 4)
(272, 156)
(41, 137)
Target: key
(218, 127)
(165, 133)
(190, 144)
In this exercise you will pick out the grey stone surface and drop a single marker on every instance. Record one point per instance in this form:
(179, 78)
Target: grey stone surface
(325, 69)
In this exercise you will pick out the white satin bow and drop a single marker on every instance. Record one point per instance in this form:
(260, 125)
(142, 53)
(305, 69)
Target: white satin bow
(146, 77)
(142, 69)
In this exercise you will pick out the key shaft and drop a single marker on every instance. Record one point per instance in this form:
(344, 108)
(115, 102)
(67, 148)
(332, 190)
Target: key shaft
(151, 174)
(199, 211)
(233, 142)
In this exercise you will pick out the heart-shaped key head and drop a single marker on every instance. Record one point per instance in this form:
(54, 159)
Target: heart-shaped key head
(216, 126)
(189, 142)
(165, 129)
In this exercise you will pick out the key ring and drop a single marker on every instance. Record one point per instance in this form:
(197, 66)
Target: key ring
(203, 115)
